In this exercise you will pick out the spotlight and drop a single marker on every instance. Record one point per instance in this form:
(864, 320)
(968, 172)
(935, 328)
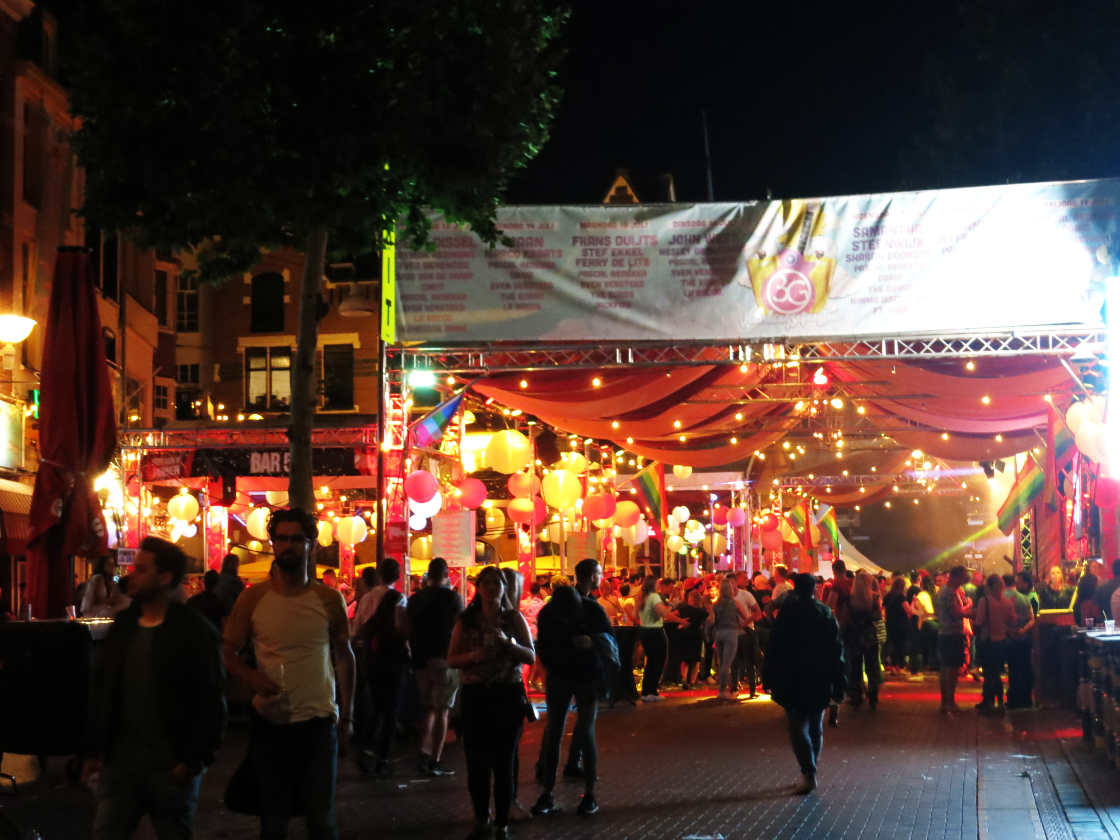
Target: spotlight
(999, 465)
(986, 466)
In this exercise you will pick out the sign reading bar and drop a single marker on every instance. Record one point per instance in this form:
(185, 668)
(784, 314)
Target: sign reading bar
(923, 262)
(162, 465)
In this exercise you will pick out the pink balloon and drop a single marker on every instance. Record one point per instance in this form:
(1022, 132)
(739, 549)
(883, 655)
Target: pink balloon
(626, 513)
(540, 511)
(599, 506)
(770, 522)
(472, 493)
(736, 517)
(521, 511)
(420, 486)
(523, 485)
(771, 540)
(719, 516)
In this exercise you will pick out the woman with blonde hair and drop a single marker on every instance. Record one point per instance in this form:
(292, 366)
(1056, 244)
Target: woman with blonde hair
(726, 621)
(862, 640)
(652, 615)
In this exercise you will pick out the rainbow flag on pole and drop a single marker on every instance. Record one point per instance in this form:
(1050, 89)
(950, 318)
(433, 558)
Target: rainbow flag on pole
(1032, 481)
(650, 484)
(799, 519)
(826, 519)
(430, 428)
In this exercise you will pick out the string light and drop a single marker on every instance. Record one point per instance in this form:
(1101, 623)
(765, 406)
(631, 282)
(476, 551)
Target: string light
(738, 415)
(986, 400)
(970, 365)
(596, 382)
(614, 424)
(524, 383)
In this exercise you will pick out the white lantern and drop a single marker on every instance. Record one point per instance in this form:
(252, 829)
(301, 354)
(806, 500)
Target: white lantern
(635, 534)
(351, 530)
(561, 488)
(681, 514)
(326, 534)
(416, 522)
(1075, 416)
(183, 507)
(675, 543)
(508, 451)
(427, 509)
(693, 531)
(276, 498)
(682, 470)
(257, 522)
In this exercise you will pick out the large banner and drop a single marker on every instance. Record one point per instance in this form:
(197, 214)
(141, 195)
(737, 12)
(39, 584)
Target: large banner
(941, 261)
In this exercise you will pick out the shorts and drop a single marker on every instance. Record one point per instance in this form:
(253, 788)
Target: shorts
(950, 649)
(437, 684)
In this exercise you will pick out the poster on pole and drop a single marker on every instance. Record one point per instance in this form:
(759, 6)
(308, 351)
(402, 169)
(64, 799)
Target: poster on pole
(932, 262)
(453, 537)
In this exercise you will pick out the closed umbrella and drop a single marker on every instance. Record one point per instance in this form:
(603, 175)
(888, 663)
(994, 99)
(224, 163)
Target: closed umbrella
(77, 437)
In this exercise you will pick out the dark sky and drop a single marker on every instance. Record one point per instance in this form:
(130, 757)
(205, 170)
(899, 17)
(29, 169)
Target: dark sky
(816, 98)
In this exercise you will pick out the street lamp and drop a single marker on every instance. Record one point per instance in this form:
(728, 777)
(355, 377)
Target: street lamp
(13, 330)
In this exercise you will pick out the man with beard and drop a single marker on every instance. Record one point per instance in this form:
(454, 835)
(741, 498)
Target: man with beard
(297, 626)
(158, 704)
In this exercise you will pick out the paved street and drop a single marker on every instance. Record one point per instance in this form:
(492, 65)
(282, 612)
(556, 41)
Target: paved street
(696, 768)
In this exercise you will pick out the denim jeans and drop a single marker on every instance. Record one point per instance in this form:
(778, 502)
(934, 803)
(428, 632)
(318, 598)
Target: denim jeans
(748, 659)
(127, 792)
(806, 734)
(727, 644)
(296, 766)
(558, 694)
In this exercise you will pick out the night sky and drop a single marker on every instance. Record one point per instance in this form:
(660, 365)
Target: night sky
(811, 99)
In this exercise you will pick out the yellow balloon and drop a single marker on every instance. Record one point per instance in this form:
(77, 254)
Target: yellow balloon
(183, 506)
(495, 520)
(326, 537)
(573, 462)
(508, 451)
(675, 543)
(421, 548)
(561, 488)
(351, 530)
(257, 522)
(682, 470)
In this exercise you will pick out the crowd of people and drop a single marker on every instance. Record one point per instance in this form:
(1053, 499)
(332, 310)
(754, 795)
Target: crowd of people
(434, 661)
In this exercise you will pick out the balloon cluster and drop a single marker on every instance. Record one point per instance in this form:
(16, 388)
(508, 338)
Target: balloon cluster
(1085, 420)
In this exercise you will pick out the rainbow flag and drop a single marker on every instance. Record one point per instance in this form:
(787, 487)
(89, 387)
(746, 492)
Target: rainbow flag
(650, 484)
(1059, 445)
(826, 519)
(799, 519)
(1034, 482)
(430, 428)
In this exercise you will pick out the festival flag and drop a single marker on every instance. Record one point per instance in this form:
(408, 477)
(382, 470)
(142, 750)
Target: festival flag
(1059, 443)
(800, 520)
(650, 484)
(826, 519)
(1034, 482)
(430, 429)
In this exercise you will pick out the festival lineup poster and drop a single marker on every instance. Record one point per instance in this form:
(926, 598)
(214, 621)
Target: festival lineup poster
(935, 262)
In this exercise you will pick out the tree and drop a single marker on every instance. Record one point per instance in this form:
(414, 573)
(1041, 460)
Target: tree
(225, 128)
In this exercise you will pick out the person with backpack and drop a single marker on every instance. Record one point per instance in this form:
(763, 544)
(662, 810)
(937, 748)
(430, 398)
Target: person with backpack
(570, 628)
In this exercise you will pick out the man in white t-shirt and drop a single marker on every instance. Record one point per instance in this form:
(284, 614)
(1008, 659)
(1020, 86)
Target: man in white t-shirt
(748, 658)
(782, 584)
(300, 637)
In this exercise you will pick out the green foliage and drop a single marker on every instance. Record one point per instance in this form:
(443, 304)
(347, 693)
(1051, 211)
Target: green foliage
(232, 126)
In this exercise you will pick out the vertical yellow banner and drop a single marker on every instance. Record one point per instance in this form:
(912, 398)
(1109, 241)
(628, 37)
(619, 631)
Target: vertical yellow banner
(389, 289)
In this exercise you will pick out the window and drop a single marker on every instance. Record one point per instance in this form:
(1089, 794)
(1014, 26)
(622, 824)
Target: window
(268, 303)
(110, 339)
(188, 404)
(32, 156)
(268, 385)
(187, 374)
(161, 297)
(186, 304)
(338, 377)
(160, 397)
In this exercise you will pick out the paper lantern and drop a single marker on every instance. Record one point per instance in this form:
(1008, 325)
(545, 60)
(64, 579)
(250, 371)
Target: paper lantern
(681, 514)
(1094, 409)
(508, 451)
(427, 509)
(771, 540)
(351, 530)
(521, 510)
(769, 522)
(675, 543)
(472, 493)
(599, 506)
(495, 520)
(736, 517)
(626, 513)
(416, 522)
(1075, 416)
(719, 516)
(183, 507)
(523, 485)
(715, 544)
(421, 548)
(693, 531)
(636, 534)
(326, 534)
(1108, 493)
(276, 498)
(561, 488)
(257, 522)
(1087, 439)
(682, 470)
(573, 462)
(420, 486)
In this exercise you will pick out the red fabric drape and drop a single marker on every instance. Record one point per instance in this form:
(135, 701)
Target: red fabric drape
(77, 437)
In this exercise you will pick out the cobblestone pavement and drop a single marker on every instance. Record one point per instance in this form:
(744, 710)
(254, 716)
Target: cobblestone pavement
(694, 767)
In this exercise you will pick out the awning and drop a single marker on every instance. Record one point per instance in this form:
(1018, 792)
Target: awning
(15, 522)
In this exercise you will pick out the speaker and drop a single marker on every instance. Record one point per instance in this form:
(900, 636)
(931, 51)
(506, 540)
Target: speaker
(45, 670)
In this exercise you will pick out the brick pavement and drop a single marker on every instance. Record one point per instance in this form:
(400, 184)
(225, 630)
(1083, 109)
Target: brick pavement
(696, 768)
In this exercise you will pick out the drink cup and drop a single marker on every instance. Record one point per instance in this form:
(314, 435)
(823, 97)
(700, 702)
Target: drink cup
(1109, 625)
(71, 612)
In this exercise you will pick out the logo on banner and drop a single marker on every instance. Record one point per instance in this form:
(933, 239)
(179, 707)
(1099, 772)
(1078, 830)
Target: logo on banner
(792, 272)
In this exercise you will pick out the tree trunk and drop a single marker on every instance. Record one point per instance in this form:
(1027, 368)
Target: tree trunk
(304, 376)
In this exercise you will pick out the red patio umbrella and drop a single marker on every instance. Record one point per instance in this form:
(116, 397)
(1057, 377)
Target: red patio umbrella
(77, 437)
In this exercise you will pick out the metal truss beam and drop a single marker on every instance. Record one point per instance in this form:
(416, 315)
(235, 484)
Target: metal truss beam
(501, 358)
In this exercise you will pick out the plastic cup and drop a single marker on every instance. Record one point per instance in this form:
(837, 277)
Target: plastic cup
(1109, 625)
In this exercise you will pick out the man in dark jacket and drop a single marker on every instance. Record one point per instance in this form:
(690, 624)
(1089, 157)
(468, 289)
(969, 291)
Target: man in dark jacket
(805, 672)
(567, 627)
(158, 704)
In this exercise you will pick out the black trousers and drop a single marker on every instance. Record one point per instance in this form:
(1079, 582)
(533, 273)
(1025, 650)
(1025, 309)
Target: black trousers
(386, 687)
(491, 723)
(624, 682)
(1020, 676)
(655, 645)
(748, 659)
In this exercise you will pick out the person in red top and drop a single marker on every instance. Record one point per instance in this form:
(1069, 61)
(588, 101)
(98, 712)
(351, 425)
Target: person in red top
(995, 618)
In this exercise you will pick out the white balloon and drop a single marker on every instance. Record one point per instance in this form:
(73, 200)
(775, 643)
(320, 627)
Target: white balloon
(417, 522)
(1075, 416)
(1094, 408)
(681, 514)
(427, 509)
(1087, 437)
